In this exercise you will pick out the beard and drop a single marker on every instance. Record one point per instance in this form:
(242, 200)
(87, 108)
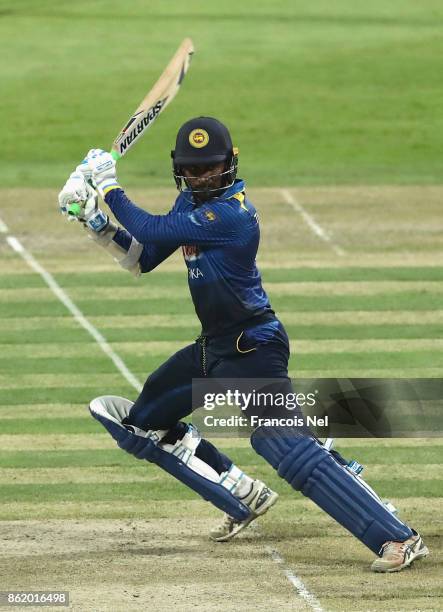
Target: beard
(204, 192)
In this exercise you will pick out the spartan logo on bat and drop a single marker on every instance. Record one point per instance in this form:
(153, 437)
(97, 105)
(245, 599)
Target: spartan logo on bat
(148, 117)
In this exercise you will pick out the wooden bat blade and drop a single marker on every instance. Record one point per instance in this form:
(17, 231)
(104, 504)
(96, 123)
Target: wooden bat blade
(164, 90)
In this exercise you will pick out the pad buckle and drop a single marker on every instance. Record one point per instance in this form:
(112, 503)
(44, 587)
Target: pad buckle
(390, 506)
(186, 447)
(355, 467)
(231, 478)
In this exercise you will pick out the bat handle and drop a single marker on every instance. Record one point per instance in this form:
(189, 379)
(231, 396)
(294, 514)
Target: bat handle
(74, 209)
(115, 155)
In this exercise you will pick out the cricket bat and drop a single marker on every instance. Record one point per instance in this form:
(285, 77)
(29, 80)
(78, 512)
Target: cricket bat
(152, 105)
(155, 102)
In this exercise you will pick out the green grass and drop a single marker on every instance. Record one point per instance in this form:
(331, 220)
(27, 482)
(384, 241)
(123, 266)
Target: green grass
(404, 301)
(275, 275)
(187, 335)
(141, 362)
(37, 336)
(286, 275)
(303, 361)
(313, 93)
(52, 425)
(64, 459)
(364, 453)
(68, 395)
(166, 489)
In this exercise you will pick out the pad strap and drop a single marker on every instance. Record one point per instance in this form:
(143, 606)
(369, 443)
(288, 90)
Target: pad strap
(231, 479)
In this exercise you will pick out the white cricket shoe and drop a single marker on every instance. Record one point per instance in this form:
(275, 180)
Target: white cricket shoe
(259, 500)
(397, 555)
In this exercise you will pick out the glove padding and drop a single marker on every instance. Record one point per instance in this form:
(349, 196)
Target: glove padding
(101, 166)
(85, 170)
(78, 191)
(75, 191)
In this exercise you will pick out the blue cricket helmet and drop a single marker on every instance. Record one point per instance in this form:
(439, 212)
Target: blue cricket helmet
(204, 141)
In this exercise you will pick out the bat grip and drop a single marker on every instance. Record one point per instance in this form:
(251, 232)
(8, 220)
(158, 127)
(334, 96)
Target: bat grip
(115, 155)
(74, 209)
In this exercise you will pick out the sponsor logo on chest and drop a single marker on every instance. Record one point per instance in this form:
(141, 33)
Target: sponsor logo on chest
(195, 273)
(192, 254)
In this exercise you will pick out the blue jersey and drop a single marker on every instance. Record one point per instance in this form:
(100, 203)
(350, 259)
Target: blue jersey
(219, 240)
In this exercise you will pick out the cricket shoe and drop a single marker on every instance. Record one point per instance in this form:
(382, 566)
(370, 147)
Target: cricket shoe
(397, 555)
(258, 500)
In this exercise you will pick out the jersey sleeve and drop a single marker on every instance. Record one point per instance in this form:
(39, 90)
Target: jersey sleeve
(151, 256)
(214, 225)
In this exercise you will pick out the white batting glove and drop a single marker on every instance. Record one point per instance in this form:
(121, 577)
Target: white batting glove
(75, 191)
(103, 171)
(85, 170)
(79, 193)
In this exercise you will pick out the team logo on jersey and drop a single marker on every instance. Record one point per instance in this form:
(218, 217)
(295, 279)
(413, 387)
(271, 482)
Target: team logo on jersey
(210, 216)
(190, 253)
(198, 138)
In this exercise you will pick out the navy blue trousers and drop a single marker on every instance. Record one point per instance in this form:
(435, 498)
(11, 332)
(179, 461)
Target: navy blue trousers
(166, 398)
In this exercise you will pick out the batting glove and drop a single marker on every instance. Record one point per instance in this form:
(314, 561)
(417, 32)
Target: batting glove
(79, 202)
(103, 171)
(75, 191)
(85, 170)
(93, 217)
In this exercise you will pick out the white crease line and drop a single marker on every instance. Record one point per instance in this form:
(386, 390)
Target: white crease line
(75, 311)
(310, 221)
(3, 227)
(296, 582)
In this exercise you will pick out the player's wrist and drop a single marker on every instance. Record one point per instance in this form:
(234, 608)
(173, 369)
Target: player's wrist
(107, 185)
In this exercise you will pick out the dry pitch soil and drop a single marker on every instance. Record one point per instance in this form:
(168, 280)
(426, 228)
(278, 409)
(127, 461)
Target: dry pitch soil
(120, 565)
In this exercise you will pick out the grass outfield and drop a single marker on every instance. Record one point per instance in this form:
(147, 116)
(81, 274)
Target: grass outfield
(79, 514)
(324, 92)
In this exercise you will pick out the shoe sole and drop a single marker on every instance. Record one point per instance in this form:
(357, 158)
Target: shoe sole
(272, 499)
(424, 552)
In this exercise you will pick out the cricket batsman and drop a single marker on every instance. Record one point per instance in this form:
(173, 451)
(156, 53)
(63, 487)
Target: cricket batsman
(217, 228)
